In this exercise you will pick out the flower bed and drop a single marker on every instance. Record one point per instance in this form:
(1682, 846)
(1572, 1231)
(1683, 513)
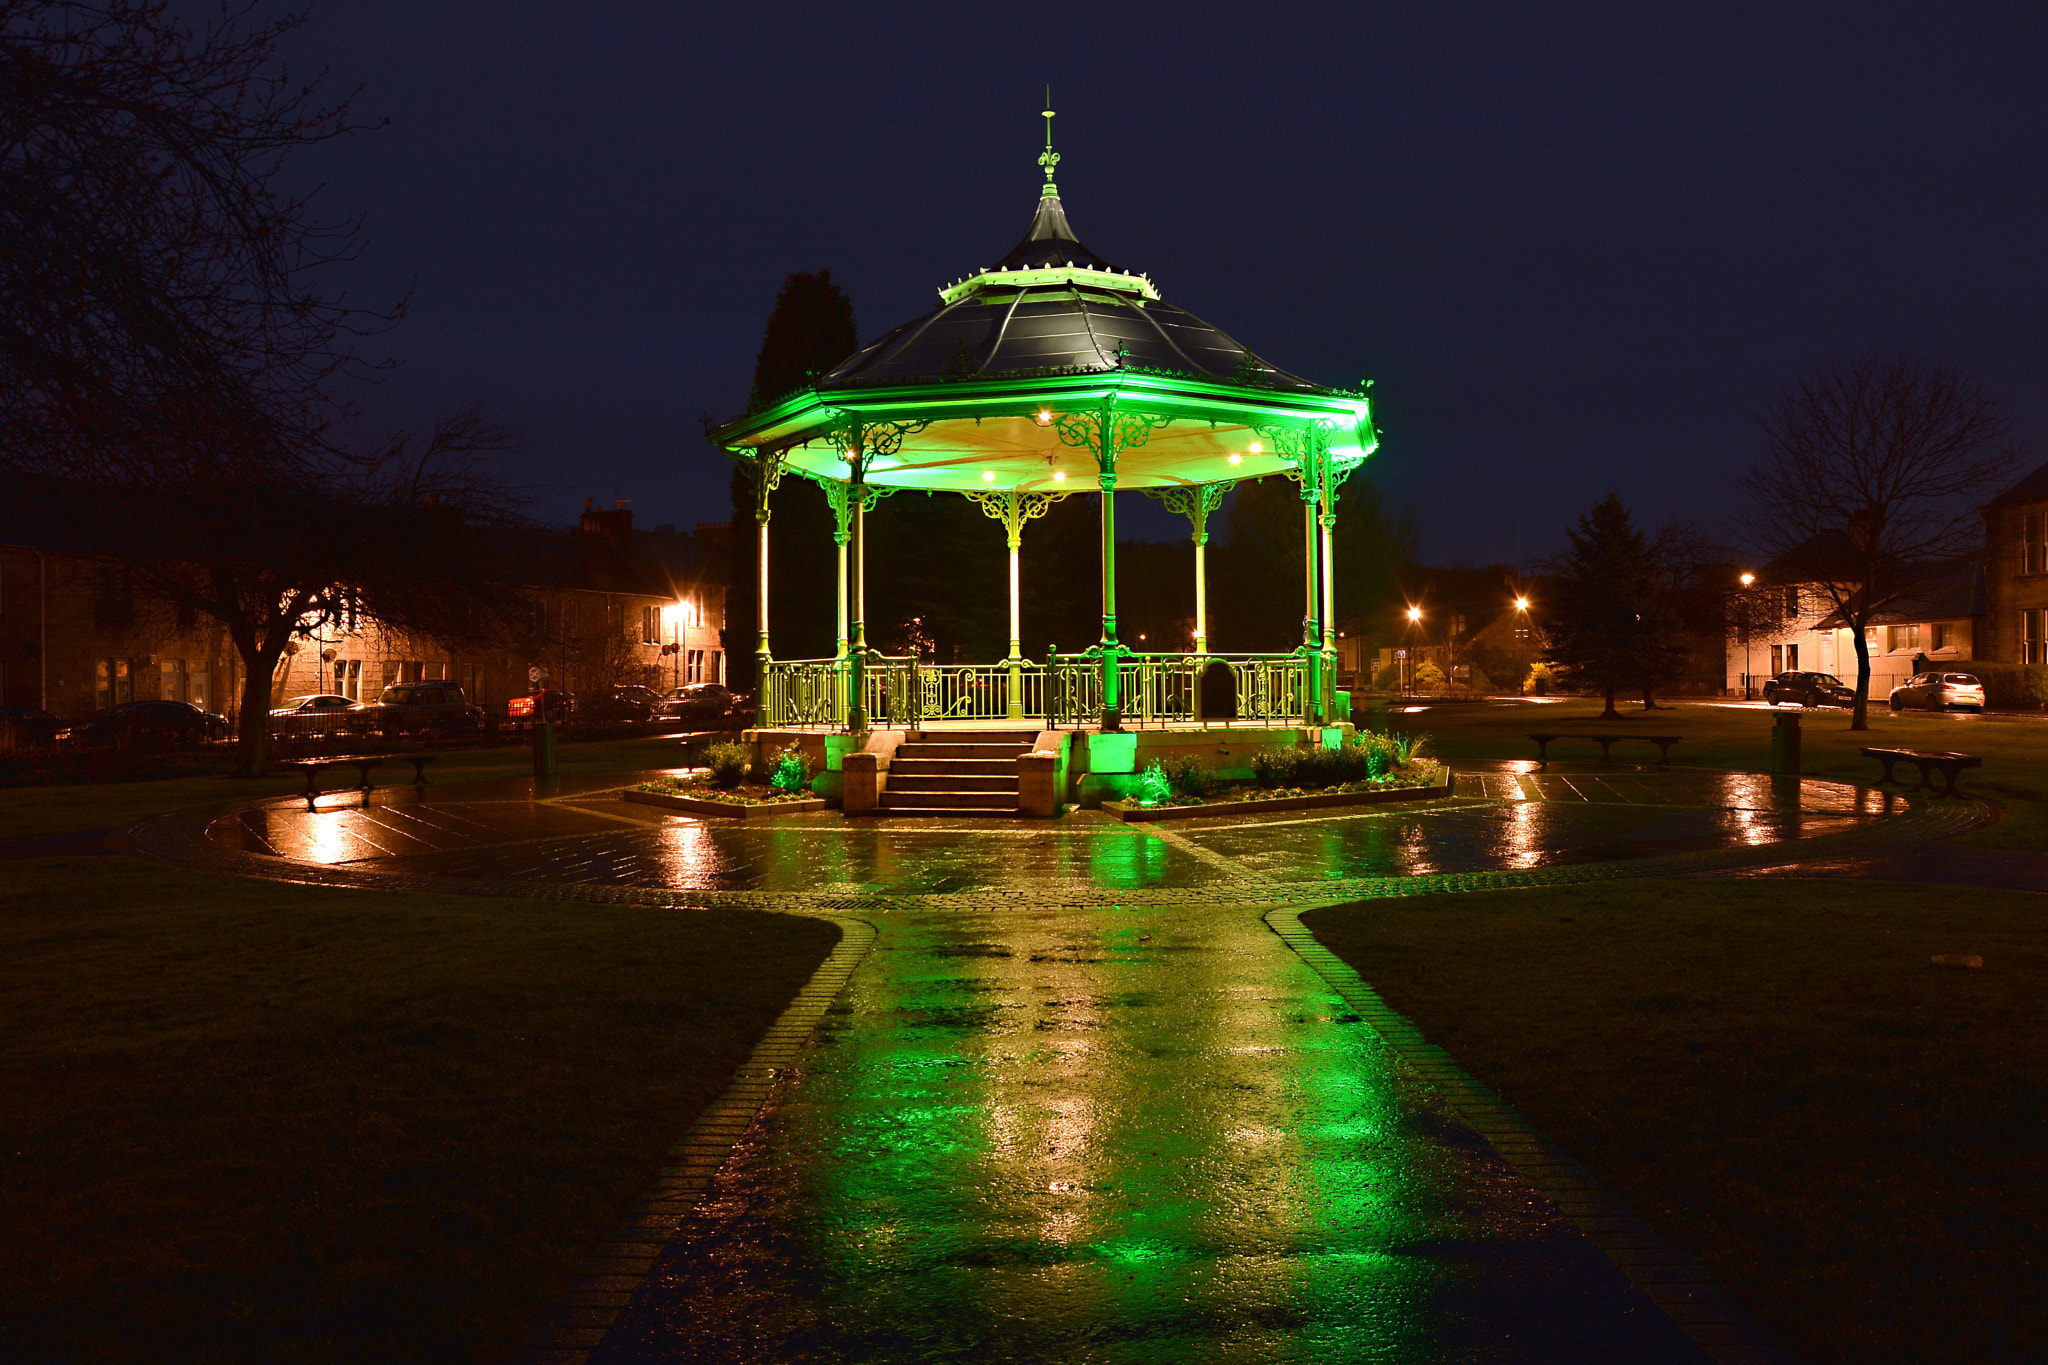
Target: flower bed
(701, 798)
(1419, 781)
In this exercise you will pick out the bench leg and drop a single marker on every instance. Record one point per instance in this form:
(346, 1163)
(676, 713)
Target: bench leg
(1887, 761)
(1606, 751)
(1924, 781)
(1663, 753)
(312, 791)
(1949, 771)
(1542, 753)
(419, 772)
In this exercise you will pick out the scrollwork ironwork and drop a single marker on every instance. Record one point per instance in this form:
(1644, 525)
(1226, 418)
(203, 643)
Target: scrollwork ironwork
(1195, 501)
(1013, 508)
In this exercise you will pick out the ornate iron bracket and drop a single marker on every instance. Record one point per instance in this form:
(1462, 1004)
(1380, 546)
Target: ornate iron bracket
(1195, 501)
(1013, 508)
(1107, 433)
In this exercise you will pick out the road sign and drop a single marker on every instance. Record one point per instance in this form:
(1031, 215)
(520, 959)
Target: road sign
(1400, 653)
(535, 673)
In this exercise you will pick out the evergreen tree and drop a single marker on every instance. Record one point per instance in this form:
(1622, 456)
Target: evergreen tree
(1606, 620)
(810, 330)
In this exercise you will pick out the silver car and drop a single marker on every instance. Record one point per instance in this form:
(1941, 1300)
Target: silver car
(1939, 692)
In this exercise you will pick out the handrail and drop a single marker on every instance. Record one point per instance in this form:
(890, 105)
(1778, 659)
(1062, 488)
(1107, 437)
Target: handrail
(903, 692)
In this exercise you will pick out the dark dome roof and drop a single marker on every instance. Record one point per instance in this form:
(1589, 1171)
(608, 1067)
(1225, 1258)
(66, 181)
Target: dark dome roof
(1052, 304)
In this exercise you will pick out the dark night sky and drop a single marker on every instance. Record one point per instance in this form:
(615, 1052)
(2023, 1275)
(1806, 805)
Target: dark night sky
(1575, 246)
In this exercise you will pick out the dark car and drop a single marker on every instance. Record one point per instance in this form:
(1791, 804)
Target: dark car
(419, 707)
(26, 730)
(148, 725)
(632, 703)
(322, 713)
(703, 706)
(1809, 689)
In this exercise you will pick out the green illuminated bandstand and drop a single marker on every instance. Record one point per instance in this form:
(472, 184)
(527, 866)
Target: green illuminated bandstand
(1049, 374)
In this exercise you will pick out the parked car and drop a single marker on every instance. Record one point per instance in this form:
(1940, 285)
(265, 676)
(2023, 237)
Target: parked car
(547, 704)
(417, 707)
(703, 706)
(147, 725)
(1939, 692)
(26, 730)
(1809, 689)
(321, 713)
(632, 703)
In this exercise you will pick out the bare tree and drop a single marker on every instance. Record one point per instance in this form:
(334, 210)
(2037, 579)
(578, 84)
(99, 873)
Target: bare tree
(1868, 484)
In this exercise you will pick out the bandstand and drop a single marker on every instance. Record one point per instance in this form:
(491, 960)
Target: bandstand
(1049, 374)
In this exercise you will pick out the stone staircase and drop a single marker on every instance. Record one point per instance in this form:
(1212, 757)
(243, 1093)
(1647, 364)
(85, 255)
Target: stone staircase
(956, 772)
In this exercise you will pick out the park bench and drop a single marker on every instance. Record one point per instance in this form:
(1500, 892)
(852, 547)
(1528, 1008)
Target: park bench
(1607, 743)
(1928, 761)
(311, 768)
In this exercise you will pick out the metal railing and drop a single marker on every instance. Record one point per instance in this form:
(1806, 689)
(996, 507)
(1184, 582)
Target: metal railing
(1153, 689)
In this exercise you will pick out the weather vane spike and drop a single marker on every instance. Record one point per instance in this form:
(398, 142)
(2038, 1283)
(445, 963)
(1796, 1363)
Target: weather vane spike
(1049, 158)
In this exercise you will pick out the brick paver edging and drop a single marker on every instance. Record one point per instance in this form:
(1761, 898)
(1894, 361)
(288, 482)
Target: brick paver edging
(617, 1266)
(1720, 1326)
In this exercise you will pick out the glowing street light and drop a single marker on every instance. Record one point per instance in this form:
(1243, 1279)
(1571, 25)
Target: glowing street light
(1415, 613)
(1748, 580)
(1521, 604)
(1748, 634)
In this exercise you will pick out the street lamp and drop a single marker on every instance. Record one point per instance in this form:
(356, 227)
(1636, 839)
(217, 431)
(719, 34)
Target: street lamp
(1748, 581)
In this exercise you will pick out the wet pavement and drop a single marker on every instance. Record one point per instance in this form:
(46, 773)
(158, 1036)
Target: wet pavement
(1079, 1102)
(585, 834)
(1118, 1135)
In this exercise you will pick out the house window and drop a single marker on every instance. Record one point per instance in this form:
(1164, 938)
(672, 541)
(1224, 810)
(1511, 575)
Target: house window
(1944, 635)
(718, 665)
(1792, 603)
(112, 684)
(693, 670)
(2034, 542)
(650, 625)
(2031, 641)
(114, 603)
(1777, 660)
(1904, 637)
(615, 618)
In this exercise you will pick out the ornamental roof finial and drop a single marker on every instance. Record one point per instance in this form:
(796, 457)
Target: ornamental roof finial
(1049, 158)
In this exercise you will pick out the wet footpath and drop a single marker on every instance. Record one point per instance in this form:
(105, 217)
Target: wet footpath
(1081, 1101)
(1118, 1134)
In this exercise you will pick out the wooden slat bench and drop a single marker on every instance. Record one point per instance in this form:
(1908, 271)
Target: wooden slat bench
(1928, 761)
(1607, 743)
(311, 768)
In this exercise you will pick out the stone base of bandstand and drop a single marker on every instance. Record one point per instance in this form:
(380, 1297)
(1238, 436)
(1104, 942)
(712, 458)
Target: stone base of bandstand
(1068, 766)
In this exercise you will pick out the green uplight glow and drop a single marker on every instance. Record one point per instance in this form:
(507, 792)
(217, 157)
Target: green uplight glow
(1153, 788)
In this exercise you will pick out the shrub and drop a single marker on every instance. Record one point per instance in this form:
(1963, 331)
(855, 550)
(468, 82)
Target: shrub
(1275, 767)
(1153, 786)
(793, 770)
(1388, 678)
(1187, 775)
(1428, 677)
(1542, 680)
(2007, 687)
(728, 763)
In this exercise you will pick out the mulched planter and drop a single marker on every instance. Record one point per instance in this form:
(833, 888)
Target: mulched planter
(745, 810)
(1132, 811)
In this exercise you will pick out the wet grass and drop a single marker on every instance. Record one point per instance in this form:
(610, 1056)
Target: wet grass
(1774, 1074)
(63, 808)
(2014, 748)
(249, 1121)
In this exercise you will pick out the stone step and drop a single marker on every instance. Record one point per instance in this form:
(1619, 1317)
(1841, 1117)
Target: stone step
(951, 782)
(948, 800)
(907, 812)
(1026, 738)
(988, 767)
(933, 749)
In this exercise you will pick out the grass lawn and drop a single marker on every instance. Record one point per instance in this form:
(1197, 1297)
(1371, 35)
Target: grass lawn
(2014, 748)
(32, 811)
(1774, 1074)
(249, 1121)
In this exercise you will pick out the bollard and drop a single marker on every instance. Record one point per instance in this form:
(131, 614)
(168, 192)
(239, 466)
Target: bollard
(1785, 742)
(544, 749)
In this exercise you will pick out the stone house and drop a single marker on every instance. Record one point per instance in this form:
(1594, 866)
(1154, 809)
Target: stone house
(1778, 626)
(2016, 572)
(606, 604)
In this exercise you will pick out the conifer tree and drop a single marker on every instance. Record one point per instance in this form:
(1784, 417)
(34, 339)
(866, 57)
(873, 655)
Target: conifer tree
(1606, 621)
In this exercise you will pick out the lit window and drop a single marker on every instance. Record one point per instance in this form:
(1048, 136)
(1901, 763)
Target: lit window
(2034, 542)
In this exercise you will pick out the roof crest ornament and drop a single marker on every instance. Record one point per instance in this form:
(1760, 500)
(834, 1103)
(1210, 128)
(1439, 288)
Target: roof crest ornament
(1049, 158)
